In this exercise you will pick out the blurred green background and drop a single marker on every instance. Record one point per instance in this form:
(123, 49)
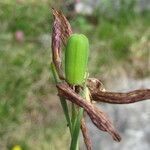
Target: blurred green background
(30, 113)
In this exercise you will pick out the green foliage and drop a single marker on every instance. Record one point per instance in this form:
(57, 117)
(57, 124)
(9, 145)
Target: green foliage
(19, 69)
(121, 11)
(32, 19)
(106, 30)
(120, 46)
(83, 25)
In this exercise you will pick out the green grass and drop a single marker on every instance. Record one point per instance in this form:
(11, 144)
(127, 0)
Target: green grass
(121, 46)
(31, 18)
(24, 91)
(30, 113)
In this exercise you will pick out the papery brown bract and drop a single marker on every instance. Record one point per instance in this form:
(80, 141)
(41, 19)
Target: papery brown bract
(61, 30)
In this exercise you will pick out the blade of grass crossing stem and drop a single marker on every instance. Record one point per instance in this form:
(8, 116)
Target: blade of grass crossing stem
(62, 100)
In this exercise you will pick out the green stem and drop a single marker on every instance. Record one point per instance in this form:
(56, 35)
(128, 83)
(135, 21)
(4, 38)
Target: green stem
(74, 113)
(77, 123)
(76, 130)
(62, 100)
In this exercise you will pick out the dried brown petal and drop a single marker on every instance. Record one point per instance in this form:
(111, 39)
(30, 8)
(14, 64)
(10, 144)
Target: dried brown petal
(61, 30)
(98, 117)
(95, 84)
(99, 95)
(56, 45)
(65, 26)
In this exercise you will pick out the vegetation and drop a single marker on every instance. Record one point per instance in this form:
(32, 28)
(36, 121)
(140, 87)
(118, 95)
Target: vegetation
(29, 113)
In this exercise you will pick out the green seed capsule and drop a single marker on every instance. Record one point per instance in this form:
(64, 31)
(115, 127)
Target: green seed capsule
(76, 58)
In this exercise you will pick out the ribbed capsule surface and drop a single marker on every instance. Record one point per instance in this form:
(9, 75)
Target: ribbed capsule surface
(76, 59)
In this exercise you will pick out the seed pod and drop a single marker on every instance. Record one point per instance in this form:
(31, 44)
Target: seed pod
(76, 58)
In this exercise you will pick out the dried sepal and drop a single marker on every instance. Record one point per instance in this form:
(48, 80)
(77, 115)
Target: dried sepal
(65, 26)
(100, 95)
(95, 84)
(98, 117)
(56, 45)
(61, 30)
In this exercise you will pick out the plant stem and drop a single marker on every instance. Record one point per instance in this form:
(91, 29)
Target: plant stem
(76, 130)
(74, 113)
(77, 122)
